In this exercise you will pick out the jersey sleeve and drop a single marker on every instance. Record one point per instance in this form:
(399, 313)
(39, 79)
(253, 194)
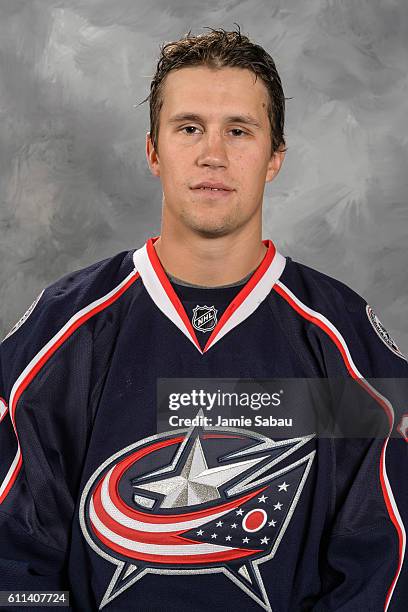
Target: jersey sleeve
(43, 432)
(362, 552)
(52, 367)
(364, 565)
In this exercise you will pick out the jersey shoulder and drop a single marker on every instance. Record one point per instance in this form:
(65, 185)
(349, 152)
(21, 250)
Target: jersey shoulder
(62, 307)
(319, 289)
(345, 316)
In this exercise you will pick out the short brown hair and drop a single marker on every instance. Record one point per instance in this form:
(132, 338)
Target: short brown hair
(218, 49)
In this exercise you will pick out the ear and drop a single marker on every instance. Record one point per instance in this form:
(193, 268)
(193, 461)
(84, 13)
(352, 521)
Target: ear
(275, 164)
(152, 157)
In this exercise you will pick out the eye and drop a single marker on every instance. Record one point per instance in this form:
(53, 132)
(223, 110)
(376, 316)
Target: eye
(238, 130)
(189, 127)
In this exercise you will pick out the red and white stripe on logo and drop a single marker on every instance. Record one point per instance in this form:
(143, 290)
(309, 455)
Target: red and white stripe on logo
(321, 321)
(3, 408)
(41, 358)
(156, 537)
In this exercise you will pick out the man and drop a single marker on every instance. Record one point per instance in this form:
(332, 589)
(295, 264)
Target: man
(99, 500)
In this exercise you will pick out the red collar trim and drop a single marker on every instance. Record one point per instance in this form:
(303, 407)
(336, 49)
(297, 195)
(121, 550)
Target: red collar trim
(167, 286)
(245, 291)
(236, 302)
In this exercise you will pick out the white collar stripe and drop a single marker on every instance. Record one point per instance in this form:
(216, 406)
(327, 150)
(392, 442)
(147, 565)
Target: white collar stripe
(162, 293)
(254, 298)
(157, 292)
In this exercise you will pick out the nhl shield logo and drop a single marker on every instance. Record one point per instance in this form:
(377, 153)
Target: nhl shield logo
(204, 318)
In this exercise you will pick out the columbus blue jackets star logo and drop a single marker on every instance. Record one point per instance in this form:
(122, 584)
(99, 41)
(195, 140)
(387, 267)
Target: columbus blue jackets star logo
(203, 500)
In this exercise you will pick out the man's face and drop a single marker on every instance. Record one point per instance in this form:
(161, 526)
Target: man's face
(214, 128)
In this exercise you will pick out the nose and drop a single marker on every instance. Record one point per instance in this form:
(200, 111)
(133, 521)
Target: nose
(213, 151)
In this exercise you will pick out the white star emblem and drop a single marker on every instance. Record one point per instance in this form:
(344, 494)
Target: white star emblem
(262, 498)
(277, 506)
(233, 525)
(245, 540)
(240, 511)
(219, 524)
(196, 483)
(283, 487)
(200, 532)
(213, 535)
(272, 523)
(228, 538)
(265, 540)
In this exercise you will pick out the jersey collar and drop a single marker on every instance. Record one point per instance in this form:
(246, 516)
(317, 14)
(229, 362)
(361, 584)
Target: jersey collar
(160, 289)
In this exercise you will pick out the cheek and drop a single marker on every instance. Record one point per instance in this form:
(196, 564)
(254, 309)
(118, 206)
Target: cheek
(250, 170)
(251, 158)
(174, 175)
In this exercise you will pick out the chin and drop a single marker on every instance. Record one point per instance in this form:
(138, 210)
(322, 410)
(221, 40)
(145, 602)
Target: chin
(211, 232)
(210, 228)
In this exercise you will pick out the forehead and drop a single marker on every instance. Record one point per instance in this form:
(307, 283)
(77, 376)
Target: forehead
(200, 89)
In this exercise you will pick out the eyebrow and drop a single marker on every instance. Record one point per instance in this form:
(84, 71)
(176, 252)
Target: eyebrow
(245, 119)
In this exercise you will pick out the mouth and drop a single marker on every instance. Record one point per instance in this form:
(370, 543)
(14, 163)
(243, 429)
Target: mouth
(216, 191)
(212, 194)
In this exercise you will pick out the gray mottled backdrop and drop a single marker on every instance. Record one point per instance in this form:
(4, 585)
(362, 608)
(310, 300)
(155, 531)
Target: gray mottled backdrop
(74, 183)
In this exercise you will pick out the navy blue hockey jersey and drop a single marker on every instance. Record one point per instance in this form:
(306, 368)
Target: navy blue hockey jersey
(95, 499)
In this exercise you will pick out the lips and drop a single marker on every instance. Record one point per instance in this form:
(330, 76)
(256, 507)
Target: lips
(209, 186)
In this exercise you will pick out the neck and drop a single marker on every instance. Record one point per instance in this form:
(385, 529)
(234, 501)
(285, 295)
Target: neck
(210, 261)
